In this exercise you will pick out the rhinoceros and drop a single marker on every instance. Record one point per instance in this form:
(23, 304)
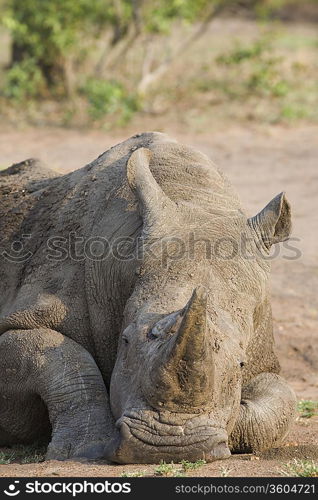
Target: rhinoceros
(135, 317)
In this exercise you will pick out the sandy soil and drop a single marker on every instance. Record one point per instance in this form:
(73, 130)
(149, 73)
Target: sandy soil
(260, 162)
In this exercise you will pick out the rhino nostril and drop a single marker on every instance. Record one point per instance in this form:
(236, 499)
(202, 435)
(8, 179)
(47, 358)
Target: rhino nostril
(125, 431)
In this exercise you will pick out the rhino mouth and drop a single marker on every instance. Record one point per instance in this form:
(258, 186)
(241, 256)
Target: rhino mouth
(148, 437)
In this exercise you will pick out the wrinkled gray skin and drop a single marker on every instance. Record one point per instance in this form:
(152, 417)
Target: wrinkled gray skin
(164, 352)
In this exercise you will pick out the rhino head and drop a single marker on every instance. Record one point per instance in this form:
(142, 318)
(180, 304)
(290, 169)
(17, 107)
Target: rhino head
(183, 353)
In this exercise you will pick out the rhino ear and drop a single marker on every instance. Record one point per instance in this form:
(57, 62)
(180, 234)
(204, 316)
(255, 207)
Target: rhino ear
(273, 223)
(152, 200)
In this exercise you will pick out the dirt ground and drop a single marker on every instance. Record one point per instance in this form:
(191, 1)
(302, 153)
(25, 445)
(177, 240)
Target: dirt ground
(260, 162)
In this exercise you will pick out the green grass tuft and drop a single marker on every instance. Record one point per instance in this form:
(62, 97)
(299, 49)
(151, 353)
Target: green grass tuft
(164, 470)
(133, 473)
(25, 454)
(171, 469)
(308, 409)
(187, 466)
(301, 468)
(6, 458)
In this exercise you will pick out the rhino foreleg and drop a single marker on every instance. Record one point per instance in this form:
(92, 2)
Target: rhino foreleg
(49, 382)
(267, 409)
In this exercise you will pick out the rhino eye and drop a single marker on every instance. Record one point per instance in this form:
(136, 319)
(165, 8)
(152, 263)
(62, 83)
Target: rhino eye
(155, 332)
(242, 364)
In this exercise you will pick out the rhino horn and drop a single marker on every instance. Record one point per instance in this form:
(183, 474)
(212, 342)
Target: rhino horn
(190, 341)
(184, 377)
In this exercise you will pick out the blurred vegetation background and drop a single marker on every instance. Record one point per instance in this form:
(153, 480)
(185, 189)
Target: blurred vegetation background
(103, 63)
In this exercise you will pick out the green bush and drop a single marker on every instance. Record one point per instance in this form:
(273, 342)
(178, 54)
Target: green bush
(45, 32)
(262, 75)
(265, 79)
(23, 80)
(109, 97)
(240, 54)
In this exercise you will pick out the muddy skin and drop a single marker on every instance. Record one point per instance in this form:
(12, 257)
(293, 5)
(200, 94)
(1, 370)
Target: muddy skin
(138, 356)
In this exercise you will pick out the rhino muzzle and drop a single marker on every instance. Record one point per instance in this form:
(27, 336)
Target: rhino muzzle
(148, 437)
